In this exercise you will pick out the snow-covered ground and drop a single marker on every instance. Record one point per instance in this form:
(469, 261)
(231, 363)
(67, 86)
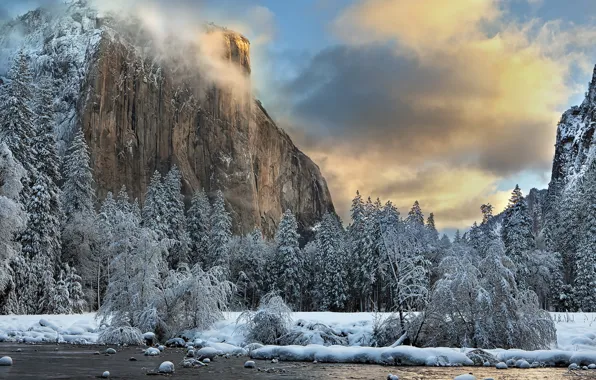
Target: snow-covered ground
(73, 328)
(576, 335)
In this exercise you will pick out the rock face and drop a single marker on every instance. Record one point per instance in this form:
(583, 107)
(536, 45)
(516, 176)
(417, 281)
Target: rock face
(575, 146)
(140, 113)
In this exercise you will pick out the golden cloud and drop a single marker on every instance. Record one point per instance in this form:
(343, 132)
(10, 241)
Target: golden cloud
(501, 85)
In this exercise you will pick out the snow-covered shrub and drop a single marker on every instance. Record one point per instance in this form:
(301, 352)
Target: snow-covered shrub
(121, 335)
(386, 330)
(304, 333)
(270, 322)
(144, 294)
(477, 304)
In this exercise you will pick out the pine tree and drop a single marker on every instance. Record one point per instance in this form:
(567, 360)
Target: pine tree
(288, 259)
(332, 287)
(432, 229)
(78, 194)
(12, 221)
(475, 237)
(36, 239)
(175, 219)
(370, 264)
(155, 206)
(517, 231)
(44, 140)
(41, 294)
(356, 237)
(357, 252)
(415, 216)
(46, 176)
(585, 262)
(221, 233)
(198, 220)
(123, 201)
(249, 255)
(77, 303)
(77, 199)
(61, 296)
(17, 117)
(457, 238)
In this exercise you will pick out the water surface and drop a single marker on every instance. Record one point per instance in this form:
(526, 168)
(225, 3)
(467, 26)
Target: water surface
(80, 362)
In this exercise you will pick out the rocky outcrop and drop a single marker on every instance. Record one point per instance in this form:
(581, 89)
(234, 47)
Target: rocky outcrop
(141, 112)
(575, 146)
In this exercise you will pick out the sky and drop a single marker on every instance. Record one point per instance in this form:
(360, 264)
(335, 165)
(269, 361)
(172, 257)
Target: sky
(450, 103)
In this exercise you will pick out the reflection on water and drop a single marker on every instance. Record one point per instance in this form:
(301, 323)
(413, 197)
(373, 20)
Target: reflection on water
(362, 372)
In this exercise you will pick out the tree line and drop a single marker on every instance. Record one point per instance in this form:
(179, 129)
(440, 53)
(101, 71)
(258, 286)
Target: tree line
(158, 265)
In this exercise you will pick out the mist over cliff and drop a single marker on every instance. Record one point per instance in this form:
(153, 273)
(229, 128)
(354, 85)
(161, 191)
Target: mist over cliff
(154, 89)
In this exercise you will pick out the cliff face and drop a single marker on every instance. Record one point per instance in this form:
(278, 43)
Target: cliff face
(575, 147)
(140, 113)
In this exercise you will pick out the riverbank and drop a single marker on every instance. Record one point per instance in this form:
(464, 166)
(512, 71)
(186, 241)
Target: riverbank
(64, 361)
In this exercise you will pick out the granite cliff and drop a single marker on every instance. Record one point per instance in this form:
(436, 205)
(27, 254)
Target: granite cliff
(142, 110)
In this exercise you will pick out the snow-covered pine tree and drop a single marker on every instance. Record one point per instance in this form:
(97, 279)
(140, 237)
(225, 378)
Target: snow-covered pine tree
(571, 214)
(12, 221)
(248, 262)
(78, 194)
(77, 202)
(123, 200)
(444, 242)
(77, 301)
(38, 243)
(154, 207)
(289, 263)
(332, 286)
(415, 216)
(432, 229)
(44, 140)
(475, 237)
(47, 172)
(175, 219)
(370, 264)
(312, 272)
(198, 224)
(585, 260)
(41, 240)
(357, 240)
(96, 265)
(41, 294)
(221, 233)
(457, 238)
(61, 296)
(17, 117)
(517, 231)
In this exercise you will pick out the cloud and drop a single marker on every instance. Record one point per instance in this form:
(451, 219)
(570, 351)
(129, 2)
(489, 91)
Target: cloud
(436, 101)
(175, 25)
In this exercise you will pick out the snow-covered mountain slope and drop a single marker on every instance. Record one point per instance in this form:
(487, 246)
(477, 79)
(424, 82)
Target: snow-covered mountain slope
(143, 108)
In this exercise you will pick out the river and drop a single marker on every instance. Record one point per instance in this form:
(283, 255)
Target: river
(81, 362)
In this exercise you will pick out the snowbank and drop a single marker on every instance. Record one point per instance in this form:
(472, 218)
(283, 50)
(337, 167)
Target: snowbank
(403, 355)
(76, 329)
(576, 334)
(551, 358)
